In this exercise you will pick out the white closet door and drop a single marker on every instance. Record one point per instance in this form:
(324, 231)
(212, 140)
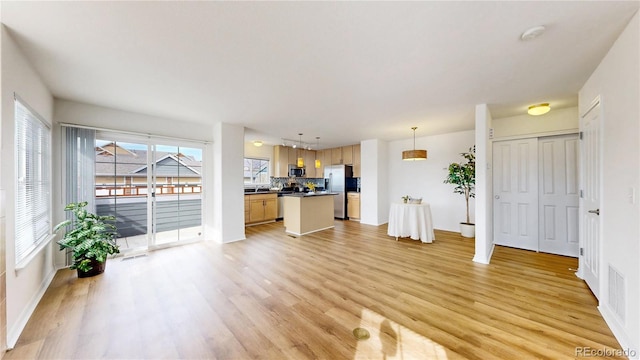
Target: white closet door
(558, 197)
(515, 189)
(589, 260)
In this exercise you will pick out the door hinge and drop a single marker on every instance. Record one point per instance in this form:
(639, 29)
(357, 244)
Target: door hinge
(581, 251)
(581, 134)
(581, 194)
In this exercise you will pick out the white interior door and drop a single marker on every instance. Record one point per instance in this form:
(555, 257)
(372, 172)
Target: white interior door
(589, 259)
(515, 190)
(558, 195)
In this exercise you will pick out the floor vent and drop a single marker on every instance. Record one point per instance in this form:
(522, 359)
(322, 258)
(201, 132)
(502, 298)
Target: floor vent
(617, 293)
(134, 257)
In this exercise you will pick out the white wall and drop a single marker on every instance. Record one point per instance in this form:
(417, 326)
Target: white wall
(228, 186)
(484, 185)
(617, 82)
(555, 121)
(24, 287)
(374, 202)
(424, 179)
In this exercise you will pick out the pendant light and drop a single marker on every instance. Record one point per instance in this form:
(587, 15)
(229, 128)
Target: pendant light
(300, 158)
(318, 163)
(412, 155)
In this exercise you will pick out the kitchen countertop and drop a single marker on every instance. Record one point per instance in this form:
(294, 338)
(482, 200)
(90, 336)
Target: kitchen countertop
(298, 194)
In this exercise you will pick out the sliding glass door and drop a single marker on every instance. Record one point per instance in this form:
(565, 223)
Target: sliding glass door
(153, 190)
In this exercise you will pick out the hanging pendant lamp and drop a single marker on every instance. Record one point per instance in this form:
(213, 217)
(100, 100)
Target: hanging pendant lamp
(413, 155)
(318, 163)
(300, 156)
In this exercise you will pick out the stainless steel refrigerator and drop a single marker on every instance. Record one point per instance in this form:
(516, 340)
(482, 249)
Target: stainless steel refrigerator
(335, 179)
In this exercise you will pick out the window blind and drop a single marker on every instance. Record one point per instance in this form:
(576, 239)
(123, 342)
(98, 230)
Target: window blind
(33, 180)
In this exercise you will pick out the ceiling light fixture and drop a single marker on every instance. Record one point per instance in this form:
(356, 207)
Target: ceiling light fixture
(300, 158)
(257, 143)
(413, 155)
(539, 109)
(318, 163)
(532, 33)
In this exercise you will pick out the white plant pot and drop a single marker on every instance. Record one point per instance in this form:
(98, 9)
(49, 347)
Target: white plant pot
(467, 230)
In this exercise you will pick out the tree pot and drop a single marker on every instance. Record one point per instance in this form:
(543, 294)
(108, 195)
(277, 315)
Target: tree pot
(97, 268)
(467, 230)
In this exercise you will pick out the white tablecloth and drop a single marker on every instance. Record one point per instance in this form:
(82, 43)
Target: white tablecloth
(411, 220)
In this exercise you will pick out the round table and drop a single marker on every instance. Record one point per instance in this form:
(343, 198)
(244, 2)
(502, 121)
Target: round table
(411, 220)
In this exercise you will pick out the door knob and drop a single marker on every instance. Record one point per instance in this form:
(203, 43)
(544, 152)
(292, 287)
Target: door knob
(497, 197)
(596, 211)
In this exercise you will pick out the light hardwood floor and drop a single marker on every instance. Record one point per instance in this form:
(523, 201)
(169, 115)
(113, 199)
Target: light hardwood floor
(273, 296)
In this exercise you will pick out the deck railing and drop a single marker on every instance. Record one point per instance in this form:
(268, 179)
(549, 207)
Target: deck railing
(133, 190)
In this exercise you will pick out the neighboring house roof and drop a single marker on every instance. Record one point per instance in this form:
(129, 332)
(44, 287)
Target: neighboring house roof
(134, 163)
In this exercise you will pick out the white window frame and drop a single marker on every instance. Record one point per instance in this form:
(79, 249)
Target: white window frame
(33, 212)
(268, 170)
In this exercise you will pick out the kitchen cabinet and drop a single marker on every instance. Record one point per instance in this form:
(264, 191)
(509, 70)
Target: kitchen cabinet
(262, 208)
(293, 156)
(320, 170)
(347, 155)
(310, 163)
(336, 156)
(356, 160)
(327, 159)
(247, 203)
(281, 158)
(353, 205)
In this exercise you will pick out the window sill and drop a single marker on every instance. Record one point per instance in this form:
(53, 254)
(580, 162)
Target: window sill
(22, 264)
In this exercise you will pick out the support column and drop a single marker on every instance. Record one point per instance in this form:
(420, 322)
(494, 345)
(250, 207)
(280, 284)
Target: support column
(227, 201)
(484, 186)
(374, 201)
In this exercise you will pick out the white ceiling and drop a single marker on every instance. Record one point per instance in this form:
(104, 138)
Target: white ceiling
(344, 71)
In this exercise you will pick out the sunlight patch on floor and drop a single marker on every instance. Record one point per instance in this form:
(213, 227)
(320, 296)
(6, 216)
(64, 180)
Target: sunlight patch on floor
(390, 340)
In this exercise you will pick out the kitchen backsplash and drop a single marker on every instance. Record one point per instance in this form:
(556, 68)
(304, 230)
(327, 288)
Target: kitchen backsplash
(280, 182)
(288, 182)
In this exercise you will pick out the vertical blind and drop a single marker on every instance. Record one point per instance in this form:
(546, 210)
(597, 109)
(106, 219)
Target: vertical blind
(33, 180)
(80, 156)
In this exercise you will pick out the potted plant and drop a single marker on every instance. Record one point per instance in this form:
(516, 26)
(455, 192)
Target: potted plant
(90, 239)
(463, 176)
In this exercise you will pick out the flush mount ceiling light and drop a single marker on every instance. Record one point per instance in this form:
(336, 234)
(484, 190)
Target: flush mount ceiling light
(532, 33)
(539, 109)
(413, 155)
(257, 143)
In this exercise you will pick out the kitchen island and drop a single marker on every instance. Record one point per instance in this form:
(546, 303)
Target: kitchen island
(307, 213)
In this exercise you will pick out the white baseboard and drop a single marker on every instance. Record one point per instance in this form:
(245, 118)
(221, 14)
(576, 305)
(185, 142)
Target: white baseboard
(14, 333)
(480, 260)
(626, 345)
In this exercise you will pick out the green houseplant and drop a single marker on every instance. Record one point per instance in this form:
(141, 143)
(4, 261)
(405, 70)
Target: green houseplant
(463, 176)
(90, 239)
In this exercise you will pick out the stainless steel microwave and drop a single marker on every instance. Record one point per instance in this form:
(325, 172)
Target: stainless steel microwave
(295, 171)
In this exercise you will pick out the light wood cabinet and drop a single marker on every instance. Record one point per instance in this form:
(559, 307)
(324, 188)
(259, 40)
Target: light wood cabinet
(281, 158)
(336, 156)
(293, 157)
(247, 205)
(347, 155)
(353, 205)
(327, 159)
(320, 170)
(310, 163)
(356, 160)
(260, 208)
